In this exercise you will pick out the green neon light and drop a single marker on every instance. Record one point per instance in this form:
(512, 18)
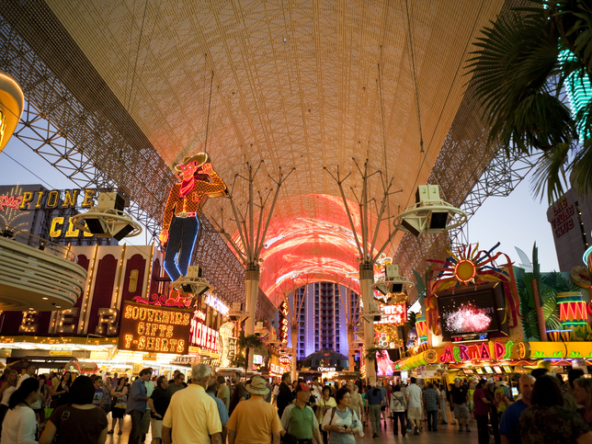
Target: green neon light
(579, 92)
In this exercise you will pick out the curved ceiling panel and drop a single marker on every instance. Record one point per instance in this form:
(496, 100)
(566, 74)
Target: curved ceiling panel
(301, 84)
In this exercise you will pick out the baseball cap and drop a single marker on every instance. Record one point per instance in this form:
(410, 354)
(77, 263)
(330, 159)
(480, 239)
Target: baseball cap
(302, 387)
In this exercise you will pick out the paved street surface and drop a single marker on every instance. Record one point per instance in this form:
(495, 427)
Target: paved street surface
(445, 435)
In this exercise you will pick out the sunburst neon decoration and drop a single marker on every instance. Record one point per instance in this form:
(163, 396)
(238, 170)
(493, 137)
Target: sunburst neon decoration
(470, 266)
(465, 271)
(467, 264)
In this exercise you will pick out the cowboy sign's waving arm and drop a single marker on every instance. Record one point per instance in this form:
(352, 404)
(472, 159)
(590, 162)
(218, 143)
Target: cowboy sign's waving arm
(213, 189)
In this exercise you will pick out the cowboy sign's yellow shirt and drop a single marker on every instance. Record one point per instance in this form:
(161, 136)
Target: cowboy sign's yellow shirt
(194, 201)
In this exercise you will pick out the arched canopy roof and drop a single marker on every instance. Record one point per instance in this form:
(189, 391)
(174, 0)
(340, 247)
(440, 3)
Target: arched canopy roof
(295, 83)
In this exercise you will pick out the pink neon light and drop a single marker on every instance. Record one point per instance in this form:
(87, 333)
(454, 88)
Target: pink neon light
(311, 241)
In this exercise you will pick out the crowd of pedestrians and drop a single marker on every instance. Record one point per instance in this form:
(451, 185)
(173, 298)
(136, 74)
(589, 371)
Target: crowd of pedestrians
(210, 408)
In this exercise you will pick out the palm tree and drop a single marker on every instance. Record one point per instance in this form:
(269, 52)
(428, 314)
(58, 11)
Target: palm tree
(521, 66)
(251, 342)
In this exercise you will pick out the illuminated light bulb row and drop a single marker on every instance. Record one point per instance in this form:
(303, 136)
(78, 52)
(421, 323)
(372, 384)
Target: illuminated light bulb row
(150, 273)
(87, 293)
(115, 299)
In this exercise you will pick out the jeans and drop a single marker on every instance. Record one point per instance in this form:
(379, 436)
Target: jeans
(400, 417)
(495, 425)
(482, 429)
(374, 410)
(324, 434)
(443, 406)
(134, 435)
(432, 419)
(182, 236)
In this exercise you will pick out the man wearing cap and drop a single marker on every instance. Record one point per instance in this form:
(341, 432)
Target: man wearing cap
(185, 202)
(254, 421)
(299, 419)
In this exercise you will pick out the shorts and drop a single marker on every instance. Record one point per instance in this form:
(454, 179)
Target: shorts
(118, 413)
(461, 411)
(414, 413)
(156, 428)
(145, 424)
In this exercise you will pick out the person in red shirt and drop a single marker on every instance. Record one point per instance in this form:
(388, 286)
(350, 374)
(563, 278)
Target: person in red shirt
(185, 202)
(481, 412)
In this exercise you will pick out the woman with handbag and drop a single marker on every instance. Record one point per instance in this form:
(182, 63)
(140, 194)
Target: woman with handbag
(78, 422)
(398, 407)
(119, 393)
(341, 422)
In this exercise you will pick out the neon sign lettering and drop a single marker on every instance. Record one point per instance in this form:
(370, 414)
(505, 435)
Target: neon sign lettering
(204, 337)
(284, 323)
(217, 304)
(477, 352)
(326, 369)
(393, 314)
(144, 328)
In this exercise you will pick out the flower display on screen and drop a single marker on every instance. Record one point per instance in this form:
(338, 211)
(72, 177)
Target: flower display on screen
(468, 318)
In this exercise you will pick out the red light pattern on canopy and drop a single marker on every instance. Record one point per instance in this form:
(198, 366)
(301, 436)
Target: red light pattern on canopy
(300, 249)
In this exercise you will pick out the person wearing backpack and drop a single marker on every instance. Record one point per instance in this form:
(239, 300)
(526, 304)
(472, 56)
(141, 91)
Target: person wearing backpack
(398, 408)
(341, 422)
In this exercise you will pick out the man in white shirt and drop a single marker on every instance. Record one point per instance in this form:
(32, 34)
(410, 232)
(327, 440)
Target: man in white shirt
(415, 404)
(29, 373)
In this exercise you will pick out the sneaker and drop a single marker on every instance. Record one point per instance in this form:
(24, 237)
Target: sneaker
(110, 432)
(120, 432)
(416, 431)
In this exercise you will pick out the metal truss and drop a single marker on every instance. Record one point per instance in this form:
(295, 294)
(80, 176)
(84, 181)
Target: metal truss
(500, 178)
(49, 142)
(87, 144)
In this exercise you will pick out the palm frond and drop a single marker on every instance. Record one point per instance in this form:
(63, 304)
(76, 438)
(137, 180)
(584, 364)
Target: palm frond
(511, 67)
(549, 176)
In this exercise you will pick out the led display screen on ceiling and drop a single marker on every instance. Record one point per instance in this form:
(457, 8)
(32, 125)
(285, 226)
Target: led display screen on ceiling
(472, 311)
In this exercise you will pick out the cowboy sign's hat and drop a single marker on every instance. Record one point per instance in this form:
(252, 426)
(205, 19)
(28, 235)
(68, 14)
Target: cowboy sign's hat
(200, 158)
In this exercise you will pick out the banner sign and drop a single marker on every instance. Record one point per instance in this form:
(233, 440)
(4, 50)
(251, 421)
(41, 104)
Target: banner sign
(203, 336)
(393, 314)
(147, 328)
